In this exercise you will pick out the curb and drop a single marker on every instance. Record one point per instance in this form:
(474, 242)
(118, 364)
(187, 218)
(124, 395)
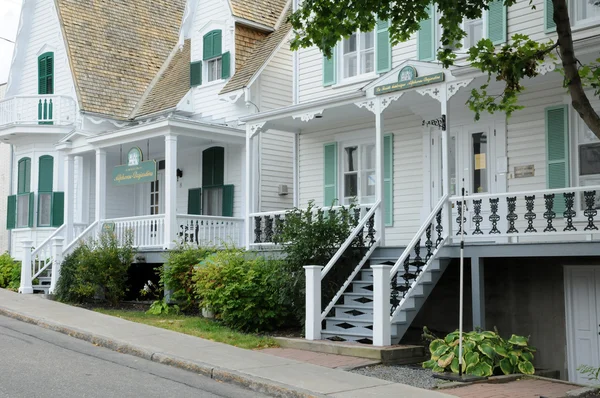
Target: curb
(229, 376)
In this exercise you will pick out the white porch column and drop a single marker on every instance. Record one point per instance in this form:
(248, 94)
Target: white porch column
(69, 197)
(251, 130)
(313, 302)
(78, 217)
(447, 208)
(296, 182)
(170, 190)
(26, 287)
(382, 328)
(57, 259)
(100, 185)
(379, 174)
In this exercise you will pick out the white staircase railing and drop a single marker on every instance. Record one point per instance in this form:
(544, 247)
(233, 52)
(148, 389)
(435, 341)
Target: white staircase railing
(434, 237)
(87, 233)
(41, 256)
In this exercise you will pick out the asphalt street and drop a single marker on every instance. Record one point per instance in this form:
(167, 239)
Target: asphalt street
(36, 362)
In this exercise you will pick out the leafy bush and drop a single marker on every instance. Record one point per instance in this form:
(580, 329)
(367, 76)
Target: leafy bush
(312, 237)
(242, 292)
(10, 272)
(485, 353)
(176, 274)
(592, 373)
(97, 270)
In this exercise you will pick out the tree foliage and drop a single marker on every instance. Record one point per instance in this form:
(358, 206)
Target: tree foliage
(323, 23)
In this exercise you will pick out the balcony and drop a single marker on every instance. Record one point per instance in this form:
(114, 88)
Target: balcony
(56, 110)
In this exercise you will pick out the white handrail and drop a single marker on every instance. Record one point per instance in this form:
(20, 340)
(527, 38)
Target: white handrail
(209, 218)
(47, 241)
(86, 231)
(315, 209)
(418, 235)
(136, 218)
(349, 240)
(523, 193)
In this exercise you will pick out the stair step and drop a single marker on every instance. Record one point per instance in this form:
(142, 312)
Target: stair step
(349, 325)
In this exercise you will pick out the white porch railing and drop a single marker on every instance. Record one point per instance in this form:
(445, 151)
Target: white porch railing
(41, 256)
(87, 233)
(148, 231)
(210, 231)
(38, 109)
(532, 216)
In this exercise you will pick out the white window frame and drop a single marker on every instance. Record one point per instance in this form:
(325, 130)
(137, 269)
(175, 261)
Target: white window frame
(359, 76)
(577, 180)
(360, 171)
(464, 51)
(585, 23)
(218, 61)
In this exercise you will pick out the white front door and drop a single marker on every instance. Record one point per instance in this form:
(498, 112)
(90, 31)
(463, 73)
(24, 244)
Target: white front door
(157, 194)
(582, 290)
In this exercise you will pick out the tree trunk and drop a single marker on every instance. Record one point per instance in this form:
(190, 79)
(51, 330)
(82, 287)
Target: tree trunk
(579, 99)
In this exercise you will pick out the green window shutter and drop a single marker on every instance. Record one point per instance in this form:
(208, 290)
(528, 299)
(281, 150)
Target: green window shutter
(549, 25)
(11, 212)
(497, 22)
(212, 44)
(330, 191)
(557, 153)
(384, 48)
(46, 73)
(24, 176)
(31, 201)
(228, 200)
(225, 65)
(46, 173)
(58, 209)
(388, 178)
(213, 166)
(195, 201)
(195, 73)
(329, 75)
(426, 37)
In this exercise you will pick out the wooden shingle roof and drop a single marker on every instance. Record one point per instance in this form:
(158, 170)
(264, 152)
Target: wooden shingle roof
(265, 12)
(261, 54)
(116, 48)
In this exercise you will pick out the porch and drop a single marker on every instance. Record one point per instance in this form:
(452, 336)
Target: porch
(58, 110)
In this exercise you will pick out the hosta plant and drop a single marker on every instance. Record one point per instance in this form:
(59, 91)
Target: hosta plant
(485, 353)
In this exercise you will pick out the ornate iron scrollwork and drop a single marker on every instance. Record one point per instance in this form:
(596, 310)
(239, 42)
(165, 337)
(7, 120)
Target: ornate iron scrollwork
(511, 217)
(549, 214)
(371, 230)
(418, 261)
(477, 218)
(257, 229)
(494, 217)
(278, 226)
(530, 215)
(439, 228)
(590, 210)
(459, 206)
(268, 229)
(569, 212)
(428, 242)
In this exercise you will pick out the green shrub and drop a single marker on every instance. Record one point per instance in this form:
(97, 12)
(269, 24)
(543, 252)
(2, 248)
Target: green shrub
(97, 270)
(242, 292)
(10, 272)
(485, 354)
(312, 236)
(176, 274)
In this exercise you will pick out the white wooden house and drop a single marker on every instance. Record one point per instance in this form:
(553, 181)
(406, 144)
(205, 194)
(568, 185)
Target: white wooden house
(5, 161)
(387, 128)
(123, 117)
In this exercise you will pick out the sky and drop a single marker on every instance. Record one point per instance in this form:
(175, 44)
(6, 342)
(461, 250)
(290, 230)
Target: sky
(9, 23)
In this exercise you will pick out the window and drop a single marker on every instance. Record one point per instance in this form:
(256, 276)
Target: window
(358, 54)
(214, 69)
(584, 10)
(217, 62)
(358, 173)
(46, 73)
(45, 182)
(474, 30)
(588, 167)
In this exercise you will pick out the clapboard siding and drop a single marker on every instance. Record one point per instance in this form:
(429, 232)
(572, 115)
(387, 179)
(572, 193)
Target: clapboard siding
(4, 192)
(276, 164)
(40, 33)
(408, 171)
(276, 80)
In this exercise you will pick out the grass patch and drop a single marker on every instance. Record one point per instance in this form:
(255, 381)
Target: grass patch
(196, 326)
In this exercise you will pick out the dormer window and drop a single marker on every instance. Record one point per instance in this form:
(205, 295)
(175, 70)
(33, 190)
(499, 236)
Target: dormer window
(214, 69)
(358, 54)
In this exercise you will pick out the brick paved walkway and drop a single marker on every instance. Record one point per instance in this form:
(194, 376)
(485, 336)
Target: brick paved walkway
(530, 388)
(318, 358)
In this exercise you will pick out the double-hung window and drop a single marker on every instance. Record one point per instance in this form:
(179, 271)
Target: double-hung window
(24, 210)
(474, 30)
(215, 64)
(584, 11)
(358, 173)
(358, 54)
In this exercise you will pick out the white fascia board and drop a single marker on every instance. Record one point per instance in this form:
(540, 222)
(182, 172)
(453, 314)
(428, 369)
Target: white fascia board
(252, 24)
(318, 105)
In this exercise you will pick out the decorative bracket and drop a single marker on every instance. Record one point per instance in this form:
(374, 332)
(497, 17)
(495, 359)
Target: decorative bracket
(370, 105)
(386, 101)
(307, 117)
(453, 87)
(255, 128)
(434, 92)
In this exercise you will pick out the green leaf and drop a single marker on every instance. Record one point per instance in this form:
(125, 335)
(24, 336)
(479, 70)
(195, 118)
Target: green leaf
(454, 365)
(514, 359)
(438, 369)
(451, 337)
(481, 369)
(441, 350)
(506, 367)
(429, 364)
(471, 358)
(518, 340)
(486, 350)
(500, 350)
(445, 360)
(435, 344)
(526, 367)
(527, 356)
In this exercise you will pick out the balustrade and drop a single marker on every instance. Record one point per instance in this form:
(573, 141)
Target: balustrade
(209, 231)
(38, 109)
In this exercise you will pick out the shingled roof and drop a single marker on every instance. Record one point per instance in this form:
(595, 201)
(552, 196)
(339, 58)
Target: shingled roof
(170, 86)
(116, 49)
(261, 54)
(265, 12)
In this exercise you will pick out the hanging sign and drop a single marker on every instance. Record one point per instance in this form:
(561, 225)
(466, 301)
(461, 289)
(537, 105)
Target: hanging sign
(412, 82)
(136, 170)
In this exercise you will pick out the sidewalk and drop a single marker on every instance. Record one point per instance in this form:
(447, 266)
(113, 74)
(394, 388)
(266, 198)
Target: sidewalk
(282, 377)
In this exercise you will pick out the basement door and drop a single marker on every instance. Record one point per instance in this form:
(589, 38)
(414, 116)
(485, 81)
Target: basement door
(582, 298)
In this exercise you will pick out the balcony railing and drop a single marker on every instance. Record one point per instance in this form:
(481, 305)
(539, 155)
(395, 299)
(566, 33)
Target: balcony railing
(58, 110)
